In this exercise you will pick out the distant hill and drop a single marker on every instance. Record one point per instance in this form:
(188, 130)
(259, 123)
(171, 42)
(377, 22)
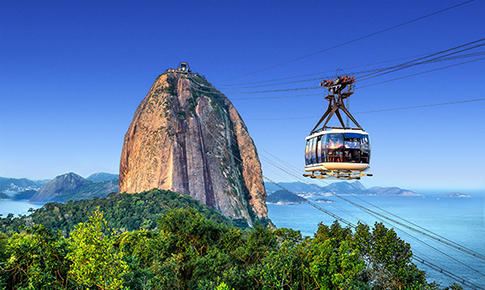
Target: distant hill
(283, 197)
(343, 187)
(102, 176)
(390, 191)
(4, 196)
(26, 194)
(297, 187)
(12, 186)
(270, 188)
(455, 194)
(71, 186)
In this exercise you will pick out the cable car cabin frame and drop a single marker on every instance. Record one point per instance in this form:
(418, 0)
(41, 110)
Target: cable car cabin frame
(337, 152)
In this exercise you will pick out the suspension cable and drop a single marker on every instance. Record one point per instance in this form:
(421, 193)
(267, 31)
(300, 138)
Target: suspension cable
(347, 222)
(353, 40)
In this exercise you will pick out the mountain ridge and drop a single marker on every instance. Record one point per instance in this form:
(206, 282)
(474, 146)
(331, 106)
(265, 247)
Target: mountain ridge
(71, 186)
(11, 186)
(342, 187)
(102, 176)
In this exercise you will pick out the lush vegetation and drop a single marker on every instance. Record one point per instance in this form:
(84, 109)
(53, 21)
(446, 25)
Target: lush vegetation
(192, 247)
(123, 212)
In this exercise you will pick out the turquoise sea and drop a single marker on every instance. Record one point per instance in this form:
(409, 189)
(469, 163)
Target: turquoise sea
(16, 207)
(461, 220)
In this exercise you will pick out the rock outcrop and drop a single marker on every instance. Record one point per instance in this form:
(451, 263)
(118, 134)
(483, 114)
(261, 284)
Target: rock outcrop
(187, 137)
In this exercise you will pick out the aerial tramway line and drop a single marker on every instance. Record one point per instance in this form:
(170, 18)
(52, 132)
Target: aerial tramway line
(337, 152)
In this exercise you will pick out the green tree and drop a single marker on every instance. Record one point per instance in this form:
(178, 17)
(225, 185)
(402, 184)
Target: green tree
(95, 261)
(36, 260)
(310, 264)
(193, 247)
(388, 259)
(140, 251)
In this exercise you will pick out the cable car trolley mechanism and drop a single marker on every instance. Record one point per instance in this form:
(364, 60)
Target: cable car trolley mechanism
(337, 152)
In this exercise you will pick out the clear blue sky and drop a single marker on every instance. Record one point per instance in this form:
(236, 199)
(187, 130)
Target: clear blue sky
(72, 74)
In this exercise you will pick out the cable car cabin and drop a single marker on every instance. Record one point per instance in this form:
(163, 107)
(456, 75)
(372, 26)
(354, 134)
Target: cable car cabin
(337, 153)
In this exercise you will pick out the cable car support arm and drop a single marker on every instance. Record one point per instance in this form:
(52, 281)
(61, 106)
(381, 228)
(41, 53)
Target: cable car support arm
(336, 101)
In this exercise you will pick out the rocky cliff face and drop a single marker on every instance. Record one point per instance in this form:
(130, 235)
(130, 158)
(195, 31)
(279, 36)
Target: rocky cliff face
(187, 137)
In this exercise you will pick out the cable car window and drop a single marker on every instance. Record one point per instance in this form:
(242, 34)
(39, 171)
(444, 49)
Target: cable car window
(325, 141)
(310, 151)
(335, 141)
(364, 142)
(319, 150)
(313, 150)
(353, 135)
(352, 144)
(307, 152)
(323, 157)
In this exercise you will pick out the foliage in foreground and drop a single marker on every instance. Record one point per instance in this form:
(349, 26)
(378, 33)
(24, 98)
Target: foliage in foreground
(189, 251)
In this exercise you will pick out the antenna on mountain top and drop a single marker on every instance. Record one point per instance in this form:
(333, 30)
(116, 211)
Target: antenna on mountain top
(183, 68)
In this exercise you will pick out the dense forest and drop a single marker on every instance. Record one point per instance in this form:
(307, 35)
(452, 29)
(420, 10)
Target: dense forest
(123, 212)
(121, 243)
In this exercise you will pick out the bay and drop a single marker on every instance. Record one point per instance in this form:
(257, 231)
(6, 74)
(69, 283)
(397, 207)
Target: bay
(461, 220)
(16, 207)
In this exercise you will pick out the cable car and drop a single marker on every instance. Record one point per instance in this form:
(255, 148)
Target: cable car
(337, 152)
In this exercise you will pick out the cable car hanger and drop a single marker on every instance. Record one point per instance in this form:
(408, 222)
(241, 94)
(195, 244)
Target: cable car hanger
(336, 102)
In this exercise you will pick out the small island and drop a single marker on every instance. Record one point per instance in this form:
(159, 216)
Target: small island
(324, 200)
(455, 194)
(283, 197)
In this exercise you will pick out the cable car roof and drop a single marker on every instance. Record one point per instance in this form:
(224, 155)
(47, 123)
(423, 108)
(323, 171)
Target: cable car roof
(336, 130)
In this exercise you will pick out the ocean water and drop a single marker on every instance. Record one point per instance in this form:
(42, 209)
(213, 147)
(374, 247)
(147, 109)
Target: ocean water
(16, 207)
(461, 220)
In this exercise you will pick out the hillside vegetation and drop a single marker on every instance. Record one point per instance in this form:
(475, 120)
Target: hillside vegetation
(165, 240)
(123, 212)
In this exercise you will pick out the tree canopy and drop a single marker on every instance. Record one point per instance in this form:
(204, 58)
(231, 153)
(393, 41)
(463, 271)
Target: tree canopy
(188, 246)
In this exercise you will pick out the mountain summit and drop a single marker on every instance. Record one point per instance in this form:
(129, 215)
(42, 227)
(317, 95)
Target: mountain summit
(71, 186)
(55, 187)
(187, 137)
